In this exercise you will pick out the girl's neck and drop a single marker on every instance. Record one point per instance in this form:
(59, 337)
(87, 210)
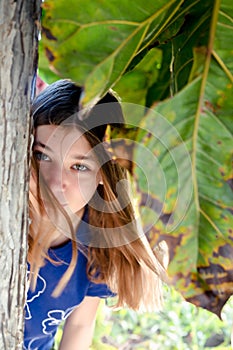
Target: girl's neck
(59, 241)
(60, 238)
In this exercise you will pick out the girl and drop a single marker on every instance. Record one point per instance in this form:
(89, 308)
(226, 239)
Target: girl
(85, 242)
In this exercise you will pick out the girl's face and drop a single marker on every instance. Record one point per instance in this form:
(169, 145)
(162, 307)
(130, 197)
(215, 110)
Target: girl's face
(67, 164)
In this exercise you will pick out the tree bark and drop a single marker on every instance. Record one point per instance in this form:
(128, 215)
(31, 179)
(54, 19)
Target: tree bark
(18, 62)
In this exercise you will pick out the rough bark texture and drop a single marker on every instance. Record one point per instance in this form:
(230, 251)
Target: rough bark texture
(18, 61)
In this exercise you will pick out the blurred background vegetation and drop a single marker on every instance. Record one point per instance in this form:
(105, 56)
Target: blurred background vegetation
(179, 326)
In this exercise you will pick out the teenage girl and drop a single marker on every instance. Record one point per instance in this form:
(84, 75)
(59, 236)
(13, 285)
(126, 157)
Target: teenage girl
(85, 240)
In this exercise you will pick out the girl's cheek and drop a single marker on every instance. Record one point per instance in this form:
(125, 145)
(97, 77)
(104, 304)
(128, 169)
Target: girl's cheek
(87, 187)
(88, 184)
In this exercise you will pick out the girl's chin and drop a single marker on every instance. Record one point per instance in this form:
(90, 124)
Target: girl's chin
(80, 212)
(71, 211)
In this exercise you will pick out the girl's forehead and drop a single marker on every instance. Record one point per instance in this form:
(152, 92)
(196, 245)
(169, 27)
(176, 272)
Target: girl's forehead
(59, 137)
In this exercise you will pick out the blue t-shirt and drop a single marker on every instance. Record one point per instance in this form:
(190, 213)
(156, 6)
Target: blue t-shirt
(44, 313)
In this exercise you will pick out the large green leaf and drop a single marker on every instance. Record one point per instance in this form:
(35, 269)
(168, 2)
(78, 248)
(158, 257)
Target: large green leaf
(133, 86)
(183, 153)
(178, 52)
(200, 244)
(172, 58)
(94, 42)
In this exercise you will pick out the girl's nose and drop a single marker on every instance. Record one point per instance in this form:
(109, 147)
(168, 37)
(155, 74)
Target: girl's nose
(56, 180)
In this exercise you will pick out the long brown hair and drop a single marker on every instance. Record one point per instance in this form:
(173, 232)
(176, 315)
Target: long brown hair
(118, 252)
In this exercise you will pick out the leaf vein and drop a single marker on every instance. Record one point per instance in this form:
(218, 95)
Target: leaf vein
(215, 227)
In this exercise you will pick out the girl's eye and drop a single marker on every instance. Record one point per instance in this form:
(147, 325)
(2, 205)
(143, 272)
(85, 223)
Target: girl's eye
(40, 156)
(80, 167)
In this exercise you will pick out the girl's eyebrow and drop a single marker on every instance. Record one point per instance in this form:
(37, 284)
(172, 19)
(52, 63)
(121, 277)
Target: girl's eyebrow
(38, 143)
(83, 157)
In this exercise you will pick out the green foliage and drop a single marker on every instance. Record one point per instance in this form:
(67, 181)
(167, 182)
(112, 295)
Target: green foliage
(103, 37)
(176, 58)
(179, 326)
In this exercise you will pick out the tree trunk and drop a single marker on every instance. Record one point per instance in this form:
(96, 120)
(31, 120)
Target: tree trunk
(18, 63)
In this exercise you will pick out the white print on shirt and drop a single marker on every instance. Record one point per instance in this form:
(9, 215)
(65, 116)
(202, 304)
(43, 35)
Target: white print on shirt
(40, 288)
(55, 317)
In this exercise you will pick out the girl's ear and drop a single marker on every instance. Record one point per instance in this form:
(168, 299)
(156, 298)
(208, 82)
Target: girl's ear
(100, 178)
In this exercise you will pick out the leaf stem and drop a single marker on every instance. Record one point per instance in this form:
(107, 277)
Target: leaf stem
(201, 97)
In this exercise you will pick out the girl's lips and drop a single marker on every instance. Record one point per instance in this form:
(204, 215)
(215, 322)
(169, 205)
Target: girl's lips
(47, 205)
